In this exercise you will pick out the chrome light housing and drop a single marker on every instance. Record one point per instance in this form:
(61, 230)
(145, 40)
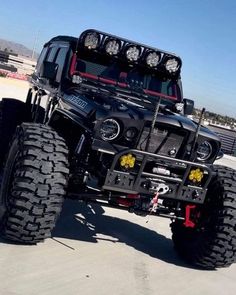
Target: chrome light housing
(91, 40)
(112, 47)
(110, 129)
(204, 151)
(172, 65)
(179, 107)
(77, 79)
(152, 59)
(133, 53)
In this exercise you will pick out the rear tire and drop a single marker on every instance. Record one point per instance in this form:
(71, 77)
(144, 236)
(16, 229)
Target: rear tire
(212, 243)
(34, 184)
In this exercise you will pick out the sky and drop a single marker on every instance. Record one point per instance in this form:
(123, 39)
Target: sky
(201, 32)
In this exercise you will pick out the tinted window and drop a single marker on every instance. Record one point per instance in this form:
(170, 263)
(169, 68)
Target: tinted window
(166, 87)
(132, 75)
(60, 60)
(41, 59)
(51, 53)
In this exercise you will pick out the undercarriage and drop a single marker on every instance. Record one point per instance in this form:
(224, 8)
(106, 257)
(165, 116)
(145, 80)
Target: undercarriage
(143, 183)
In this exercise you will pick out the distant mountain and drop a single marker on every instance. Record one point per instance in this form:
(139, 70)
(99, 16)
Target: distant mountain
(13, 47)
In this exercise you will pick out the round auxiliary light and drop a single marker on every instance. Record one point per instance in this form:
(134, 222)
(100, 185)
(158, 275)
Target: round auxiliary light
(153, 59)
(91, 40)
(204, 151)
(112, 47)
(109, 129)
(172, 65)
(131, 133)
(133, 53)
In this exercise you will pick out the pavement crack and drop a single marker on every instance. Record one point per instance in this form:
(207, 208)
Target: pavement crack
(59, 242)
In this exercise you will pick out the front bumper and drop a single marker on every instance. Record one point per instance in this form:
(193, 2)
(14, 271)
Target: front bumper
(139, 181)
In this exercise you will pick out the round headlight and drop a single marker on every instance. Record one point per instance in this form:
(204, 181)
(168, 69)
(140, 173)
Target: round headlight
(172, 65)
(112, 47)
(204, 151)
(152, 59)
(133, 53)
(91, 40)
(110, 129)
(131, 133)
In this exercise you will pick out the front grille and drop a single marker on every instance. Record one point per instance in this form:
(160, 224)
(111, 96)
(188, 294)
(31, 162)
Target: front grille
(163, 141)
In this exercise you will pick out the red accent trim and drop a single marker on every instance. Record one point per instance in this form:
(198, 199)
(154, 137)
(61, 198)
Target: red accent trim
(147, 91)
(125, 202)
(108, 81)
(73, 64)
(129, 201)
(188, 222)
(133, 196)
(123, 75)
(87, 75)
(122, 84)
(155, 199)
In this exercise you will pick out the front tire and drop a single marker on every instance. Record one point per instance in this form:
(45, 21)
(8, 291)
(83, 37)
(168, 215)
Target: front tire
(34, 184)
(212, 243)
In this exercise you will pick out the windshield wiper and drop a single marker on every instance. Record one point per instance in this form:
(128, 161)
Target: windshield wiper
(98, 87)
(132, 94)
(138, 97)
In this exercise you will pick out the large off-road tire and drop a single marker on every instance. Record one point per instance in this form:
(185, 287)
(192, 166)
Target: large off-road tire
(12, 112)
(34, 184)
(212, 243)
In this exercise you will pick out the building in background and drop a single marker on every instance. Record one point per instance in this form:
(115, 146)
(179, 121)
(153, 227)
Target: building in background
(14, 63)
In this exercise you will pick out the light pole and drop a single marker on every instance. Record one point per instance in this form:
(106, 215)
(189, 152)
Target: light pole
(35, 43)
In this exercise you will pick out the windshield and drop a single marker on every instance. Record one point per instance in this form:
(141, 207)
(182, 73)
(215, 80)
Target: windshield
(125, 75)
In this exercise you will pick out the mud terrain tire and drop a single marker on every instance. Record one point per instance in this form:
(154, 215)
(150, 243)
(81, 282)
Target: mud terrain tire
(212, 243)
(34, 184)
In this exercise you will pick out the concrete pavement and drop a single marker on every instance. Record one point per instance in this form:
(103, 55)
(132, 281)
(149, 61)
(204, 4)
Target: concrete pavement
(13, 88)
(227, 161)
(105, 251)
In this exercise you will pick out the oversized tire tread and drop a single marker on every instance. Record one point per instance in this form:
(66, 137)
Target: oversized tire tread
(39, 181)
(216, 246)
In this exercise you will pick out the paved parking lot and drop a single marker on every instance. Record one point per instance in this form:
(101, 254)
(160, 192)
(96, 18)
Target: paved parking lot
(105, 251)
(13, 88)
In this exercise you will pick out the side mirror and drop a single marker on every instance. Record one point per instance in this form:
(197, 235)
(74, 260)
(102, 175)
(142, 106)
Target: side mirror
(188, 106)
(49, 70)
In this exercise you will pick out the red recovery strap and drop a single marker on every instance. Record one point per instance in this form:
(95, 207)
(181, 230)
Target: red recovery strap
(188, 222)
(154, 203)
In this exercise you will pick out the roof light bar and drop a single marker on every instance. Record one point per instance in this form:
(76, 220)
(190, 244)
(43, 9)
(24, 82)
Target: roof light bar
(91, 40)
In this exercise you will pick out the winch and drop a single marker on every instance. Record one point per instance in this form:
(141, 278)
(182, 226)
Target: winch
(156, 186)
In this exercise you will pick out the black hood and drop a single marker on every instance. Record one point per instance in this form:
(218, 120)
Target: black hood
(97, 107)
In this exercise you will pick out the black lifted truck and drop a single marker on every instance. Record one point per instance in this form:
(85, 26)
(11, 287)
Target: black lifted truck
(114, 131)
